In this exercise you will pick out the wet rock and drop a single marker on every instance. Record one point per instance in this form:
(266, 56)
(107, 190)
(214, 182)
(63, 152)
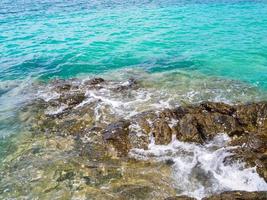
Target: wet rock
(66, 175)
(103, 175)
(117, 135)
(189, 130)
(61, 85)
(162, 132)
(262, 165)
(245, 124)
(130, 84)
(198, 123)
(72, 99)
(238, 195)
(133, 192)
(138, 140)
(204, 125)
(252, 149)
(183, 197)
(94, 81)
(90, 144)
(140, 124)
(218, 107)
(127, 134)
(253, 116)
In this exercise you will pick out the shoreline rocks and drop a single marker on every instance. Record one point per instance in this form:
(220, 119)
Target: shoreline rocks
(231, 195)
(106, 134)
(199, 124)
(246, 124)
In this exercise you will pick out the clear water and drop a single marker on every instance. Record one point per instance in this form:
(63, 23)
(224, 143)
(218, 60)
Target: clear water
(181, 50)
(57, 38)
(224, 39)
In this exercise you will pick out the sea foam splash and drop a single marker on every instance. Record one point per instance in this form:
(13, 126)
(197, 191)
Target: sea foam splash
(154, 91)
(199, 170)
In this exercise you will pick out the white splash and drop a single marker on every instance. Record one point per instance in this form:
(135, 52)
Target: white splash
(57, 110)
(199, 170)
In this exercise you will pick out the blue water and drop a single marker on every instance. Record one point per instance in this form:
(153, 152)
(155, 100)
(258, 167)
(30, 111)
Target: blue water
(42, 40)
(182, 51)
(208, 39)
(49, 39)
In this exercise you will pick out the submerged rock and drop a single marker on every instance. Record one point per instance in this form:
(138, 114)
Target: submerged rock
(231, 195)
(199, 123)
(134, 192)
(80, 141)
(94, 81)
(183, 197)
(77, 107)
(130, 84)
(117, 134)
(238, 195)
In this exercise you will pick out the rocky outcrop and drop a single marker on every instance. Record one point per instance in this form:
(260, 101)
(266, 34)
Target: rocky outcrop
(80, 133)
(74, 110)
(118, 135)
(183, 197)
(231, 195)
(130, 84)
(200, 123)
(94, 81)
(238, 195)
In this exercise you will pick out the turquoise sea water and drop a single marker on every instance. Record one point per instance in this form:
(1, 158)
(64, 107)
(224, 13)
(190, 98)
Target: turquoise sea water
(180, 50)
(67, 38)
(47, 39)
(41, 40)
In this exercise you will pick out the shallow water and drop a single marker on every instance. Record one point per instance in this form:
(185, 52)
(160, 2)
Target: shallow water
(181, 52)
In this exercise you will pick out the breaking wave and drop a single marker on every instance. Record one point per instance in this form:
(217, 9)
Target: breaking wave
(199, 170)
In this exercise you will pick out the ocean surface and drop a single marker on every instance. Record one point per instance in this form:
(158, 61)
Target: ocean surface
(181, 50)
(42, 40)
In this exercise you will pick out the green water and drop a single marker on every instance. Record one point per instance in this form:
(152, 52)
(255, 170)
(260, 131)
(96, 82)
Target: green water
(182, 51)
(65, 39)
(206, 40)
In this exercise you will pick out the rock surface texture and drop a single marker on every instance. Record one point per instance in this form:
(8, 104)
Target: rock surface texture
(233, 195)
(245, 124)
(82, 118)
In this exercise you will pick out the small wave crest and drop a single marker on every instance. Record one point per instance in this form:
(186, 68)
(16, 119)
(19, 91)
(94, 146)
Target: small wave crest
(199, 170)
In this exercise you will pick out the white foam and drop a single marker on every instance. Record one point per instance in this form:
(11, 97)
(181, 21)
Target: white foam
(47, 95)
(199, 170)
(57, 110)
(157, 91)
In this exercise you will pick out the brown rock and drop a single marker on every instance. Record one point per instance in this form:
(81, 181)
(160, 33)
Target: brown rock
(61, 85)
(189, 130)
(94, 81)
(131, 84)
(238, 195)
(183, 197)
(252, 150)
(162, 132)
(168, 114)
(218, 107)
(117, 134)
(142, 120)
(253, 116)
(72, 99)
